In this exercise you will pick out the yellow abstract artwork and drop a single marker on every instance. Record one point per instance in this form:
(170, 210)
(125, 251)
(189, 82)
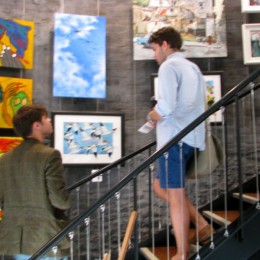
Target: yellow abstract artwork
(14, 93)
(8, 143)
(16, 43)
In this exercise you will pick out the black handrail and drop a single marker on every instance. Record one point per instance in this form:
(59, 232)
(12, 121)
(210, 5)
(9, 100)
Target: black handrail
(111, 166)
(79, 219)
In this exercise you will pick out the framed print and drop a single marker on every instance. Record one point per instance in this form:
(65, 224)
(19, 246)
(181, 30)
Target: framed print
(198, 22)
(213, 80)
(154, 86)
(88, 138)
(250, 6)
(251, 43)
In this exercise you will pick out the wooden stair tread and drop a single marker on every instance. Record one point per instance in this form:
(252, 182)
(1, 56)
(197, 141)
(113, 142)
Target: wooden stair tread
(220, 218)
(248, 197)
(160, 253)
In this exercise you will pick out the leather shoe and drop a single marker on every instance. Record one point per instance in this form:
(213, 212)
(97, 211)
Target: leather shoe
(204, 235)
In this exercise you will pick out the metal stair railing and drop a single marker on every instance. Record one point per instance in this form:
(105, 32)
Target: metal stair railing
(133, 175)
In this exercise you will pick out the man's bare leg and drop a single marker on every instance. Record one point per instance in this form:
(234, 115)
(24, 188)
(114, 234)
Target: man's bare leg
(180, 218)
(161, 193)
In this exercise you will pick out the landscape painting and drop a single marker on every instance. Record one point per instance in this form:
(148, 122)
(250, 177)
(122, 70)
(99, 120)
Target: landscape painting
(16, 43)
(202, 26)
(14, 93)
(79, 69)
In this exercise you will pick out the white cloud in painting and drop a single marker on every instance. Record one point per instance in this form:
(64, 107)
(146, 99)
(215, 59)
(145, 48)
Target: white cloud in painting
(79, 56)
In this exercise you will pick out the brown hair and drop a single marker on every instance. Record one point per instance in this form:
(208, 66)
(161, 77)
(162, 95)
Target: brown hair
(26, 116)
(168, 34)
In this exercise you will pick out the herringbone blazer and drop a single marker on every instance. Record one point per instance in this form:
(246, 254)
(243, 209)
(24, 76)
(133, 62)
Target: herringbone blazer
(32, 193)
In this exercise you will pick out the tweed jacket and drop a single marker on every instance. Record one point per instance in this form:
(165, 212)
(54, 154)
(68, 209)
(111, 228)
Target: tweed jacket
(33, 198)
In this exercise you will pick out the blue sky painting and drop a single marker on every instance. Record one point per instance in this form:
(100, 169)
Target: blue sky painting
(79, 69)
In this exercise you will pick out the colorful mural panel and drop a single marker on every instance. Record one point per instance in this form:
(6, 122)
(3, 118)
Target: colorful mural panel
(8, 143)
(79, 69)
(16, 43)
(14, 93)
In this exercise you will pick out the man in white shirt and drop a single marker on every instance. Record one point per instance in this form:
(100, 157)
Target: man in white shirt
(181, 99)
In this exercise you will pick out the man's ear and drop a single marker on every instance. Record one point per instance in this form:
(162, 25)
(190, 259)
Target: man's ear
(165, 44)
(35, 125)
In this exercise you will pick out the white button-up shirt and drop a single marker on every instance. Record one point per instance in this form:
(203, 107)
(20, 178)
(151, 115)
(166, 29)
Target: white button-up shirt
(181, 99)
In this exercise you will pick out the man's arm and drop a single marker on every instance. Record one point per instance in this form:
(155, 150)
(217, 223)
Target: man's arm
(153, 115)
(58, 194)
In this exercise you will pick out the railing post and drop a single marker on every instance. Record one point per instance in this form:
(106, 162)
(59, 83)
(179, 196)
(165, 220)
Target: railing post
(136, 244)
(240, 177)
(150, 195)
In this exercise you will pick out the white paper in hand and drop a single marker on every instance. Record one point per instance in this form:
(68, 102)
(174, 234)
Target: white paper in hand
(146, 128)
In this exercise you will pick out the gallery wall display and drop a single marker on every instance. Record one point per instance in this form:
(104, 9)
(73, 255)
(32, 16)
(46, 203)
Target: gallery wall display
(88, 138)
(7, 143)
(16, 43)
(14, 93)
(251, 43)
(79, 69)
(250, 6)
(202, 25)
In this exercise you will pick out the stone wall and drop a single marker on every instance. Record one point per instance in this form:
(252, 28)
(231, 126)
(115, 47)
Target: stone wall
(128, 81)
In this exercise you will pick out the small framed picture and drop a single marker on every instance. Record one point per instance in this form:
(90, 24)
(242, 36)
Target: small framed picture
(251, 43)
(250, 6)
(213, 80)
(88, 138)
(154, 86)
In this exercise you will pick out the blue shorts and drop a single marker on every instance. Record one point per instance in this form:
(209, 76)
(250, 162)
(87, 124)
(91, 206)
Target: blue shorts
(174, 175)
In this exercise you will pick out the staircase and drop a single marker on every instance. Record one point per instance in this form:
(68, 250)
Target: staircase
(230, 241)
(99, 229)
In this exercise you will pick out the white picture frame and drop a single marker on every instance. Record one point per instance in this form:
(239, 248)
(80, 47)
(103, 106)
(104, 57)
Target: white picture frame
(251, 43)
(250, 6)
(213, 82)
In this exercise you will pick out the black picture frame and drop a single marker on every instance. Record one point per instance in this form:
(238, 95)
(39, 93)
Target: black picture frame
(88, 138)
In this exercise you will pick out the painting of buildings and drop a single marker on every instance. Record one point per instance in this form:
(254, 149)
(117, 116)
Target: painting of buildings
(16, 43)
(201, 24)
(79, 56)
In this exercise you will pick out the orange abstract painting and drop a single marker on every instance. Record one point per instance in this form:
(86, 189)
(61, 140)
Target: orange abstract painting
(16, 43)
(8, 143)
(14, 93)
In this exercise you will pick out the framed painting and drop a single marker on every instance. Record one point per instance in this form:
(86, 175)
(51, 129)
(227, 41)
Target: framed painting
(213, 80)
(154, 86)
(14, 93)
(88, 138)
(250, 6)
(7, 143)
(17, 43)
(77, 73)
(251, 43)
(198, 22)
